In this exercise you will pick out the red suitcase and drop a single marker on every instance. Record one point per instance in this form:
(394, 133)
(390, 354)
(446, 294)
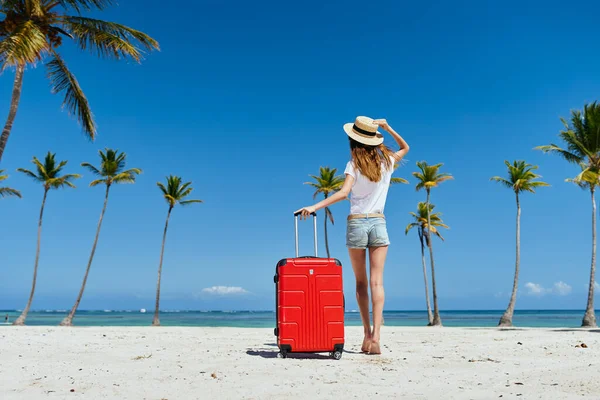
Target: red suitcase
(309, 303)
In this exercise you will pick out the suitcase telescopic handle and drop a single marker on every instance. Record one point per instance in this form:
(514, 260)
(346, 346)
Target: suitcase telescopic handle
(314, 229)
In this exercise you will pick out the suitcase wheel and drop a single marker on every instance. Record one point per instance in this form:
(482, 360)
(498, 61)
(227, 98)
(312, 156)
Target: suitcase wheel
(336, 354)
(282, 354)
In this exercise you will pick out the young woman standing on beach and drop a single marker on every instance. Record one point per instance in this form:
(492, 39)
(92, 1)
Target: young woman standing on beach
(368, 175)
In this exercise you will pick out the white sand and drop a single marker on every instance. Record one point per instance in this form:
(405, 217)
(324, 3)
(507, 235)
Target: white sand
(231, 363)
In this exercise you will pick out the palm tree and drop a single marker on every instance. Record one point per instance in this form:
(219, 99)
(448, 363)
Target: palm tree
(582, 139)
(327, 183)
(428, 178)
(521, 178)
(111, 172)
(32, 31)
(48, 174)
(175, 192)
(6, 191)
(420, 222)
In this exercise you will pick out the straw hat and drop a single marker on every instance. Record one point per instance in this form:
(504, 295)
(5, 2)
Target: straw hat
(364, 131)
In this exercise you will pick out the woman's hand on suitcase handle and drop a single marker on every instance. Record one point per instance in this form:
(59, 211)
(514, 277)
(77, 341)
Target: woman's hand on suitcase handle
(304, 212)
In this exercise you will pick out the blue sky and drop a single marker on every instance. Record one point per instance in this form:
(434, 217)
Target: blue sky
(247, 99)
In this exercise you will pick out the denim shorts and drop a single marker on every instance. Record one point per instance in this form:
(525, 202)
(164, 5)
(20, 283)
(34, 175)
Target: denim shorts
(362, 233)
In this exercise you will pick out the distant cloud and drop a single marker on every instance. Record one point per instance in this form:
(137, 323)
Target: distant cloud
(224, 290)
(560, 288)
(535, 289)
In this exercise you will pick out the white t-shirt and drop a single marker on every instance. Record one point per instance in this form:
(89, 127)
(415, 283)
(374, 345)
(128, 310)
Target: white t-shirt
(368, 197)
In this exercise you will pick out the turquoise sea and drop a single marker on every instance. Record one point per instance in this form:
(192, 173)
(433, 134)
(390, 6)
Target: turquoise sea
(266, 319)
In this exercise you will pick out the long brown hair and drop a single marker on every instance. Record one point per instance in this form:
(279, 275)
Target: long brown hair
(368, 159)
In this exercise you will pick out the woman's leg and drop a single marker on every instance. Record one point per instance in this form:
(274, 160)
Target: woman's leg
(358, 258)
(377, 256)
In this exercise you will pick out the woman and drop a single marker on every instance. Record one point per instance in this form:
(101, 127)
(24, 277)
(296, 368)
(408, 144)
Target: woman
(368, 175)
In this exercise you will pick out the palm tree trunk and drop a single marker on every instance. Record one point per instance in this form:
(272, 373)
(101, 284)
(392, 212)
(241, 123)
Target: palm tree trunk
(326, 238)
(589, 318)
(68, 321)
(21, 320)
(506, 319)
(437, 320)
(156, 321)
(14, 106)
(429, 314)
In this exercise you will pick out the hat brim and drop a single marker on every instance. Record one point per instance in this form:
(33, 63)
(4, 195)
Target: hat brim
(368, 140)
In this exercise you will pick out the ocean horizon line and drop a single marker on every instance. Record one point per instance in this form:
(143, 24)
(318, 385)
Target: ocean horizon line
(147, 310)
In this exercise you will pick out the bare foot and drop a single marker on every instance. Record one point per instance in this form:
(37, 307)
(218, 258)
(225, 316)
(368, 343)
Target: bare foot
(366, 344)
(374, 347)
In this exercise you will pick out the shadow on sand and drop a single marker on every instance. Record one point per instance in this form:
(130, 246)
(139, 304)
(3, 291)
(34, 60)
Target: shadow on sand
(300, 356)
(576, 330)
(524, 329)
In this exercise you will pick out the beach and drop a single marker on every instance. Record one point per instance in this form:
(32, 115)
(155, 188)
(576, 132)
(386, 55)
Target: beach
(44, 362)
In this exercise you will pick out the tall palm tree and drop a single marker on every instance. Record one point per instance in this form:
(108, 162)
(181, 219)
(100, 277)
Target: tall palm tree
(111, 172)
(6, 191)
(521, 178)
(429, 177)
(327, 183)
(582, 139)
(175, 192)
(420, 222)
(48, 174)
(32, 32)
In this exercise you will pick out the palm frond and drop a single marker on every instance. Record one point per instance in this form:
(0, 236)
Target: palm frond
(502, 181)
(133, 171)
(329, 214)
(170, 200)
(185, 188)
(568, 156)
(109, 39)
(34, 8)
(75, 101)
(25, 44)
(84, 5)
(8, 192)
(183, 193)
(98, 182)
(29, 174)
(587, 179)
(188, 202)
(91, 168)
(410, 226)
(45, 167)
(124, 177)
(11, 5)
(162, 188)
(395, 181)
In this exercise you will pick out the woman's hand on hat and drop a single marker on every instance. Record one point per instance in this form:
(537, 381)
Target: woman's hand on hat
(381, 122)
(305, 212)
